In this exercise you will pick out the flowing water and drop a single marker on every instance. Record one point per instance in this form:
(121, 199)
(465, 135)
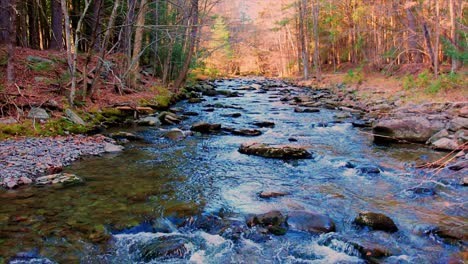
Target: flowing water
(140, 197)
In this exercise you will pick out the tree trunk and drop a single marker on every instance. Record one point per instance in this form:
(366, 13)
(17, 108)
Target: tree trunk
(193, 39)
(11, 42)
(4, 21)
(97, 27)
(303, 35)
(427, 37)
(453, 33)
(414, 54)
(57, 26)
(137, 45)
(33, 16)
(316, 13)
(68, 45)
(437, 39)
(103, 48)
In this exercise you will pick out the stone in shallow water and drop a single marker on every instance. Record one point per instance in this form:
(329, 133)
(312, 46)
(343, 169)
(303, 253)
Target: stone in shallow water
(65, 179)
(275, 152)
(274, 222)
(112, 148)
(205, 128)
(247, 132)
(264, 124)
(376, 221)
(368, 169)
(306, 110)
(164, 247)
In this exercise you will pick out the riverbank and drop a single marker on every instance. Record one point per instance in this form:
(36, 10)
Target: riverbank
(22, 161)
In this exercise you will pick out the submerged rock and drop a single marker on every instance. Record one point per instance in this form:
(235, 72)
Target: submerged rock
(275, 152)
(310, 222)
(422, 191)
(376, 221)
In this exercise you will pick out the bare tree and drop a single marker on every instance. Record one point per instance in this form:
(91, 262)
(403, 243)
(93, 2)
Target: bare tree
(191, 48)
(72, 51)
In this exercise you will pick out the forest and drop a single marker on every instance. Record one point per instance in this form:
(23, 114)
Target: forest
(115, 45)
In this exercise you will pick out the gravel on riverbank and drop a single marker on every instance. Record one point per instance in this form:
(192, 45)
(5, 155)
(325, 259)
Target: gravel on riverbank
(23, 160)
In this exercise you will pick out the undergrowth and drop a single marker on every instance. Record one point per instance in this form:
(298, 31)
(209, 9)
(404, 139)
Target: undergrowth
(427, 83)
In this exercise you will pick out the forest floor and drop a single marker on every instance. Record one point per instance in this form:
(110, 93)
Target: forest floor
(42, 79)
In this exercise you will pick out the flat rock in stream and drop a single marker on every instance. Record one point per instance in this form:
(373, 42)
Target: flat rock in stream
(310, 222)
(264, 124)
(306, 110)
(274, 152)
(205, 128)
(271, 194)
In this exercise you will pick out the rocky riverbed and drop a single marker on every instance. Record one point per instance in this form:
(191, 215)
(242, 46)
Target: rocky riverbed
(22, 161)
(251, 170)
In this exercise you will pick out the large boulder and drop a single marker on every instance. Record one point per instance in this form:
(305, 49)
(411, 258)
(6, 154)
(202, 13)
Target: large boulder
(376, 221)
(275, 152)
(72, 116)
(411, 129)
(38, 113)
(310, 222)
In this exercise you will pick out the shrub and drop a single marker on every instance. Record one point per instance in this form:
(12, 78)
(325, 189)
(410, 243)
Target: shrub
(355, 76)
(408, 82)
